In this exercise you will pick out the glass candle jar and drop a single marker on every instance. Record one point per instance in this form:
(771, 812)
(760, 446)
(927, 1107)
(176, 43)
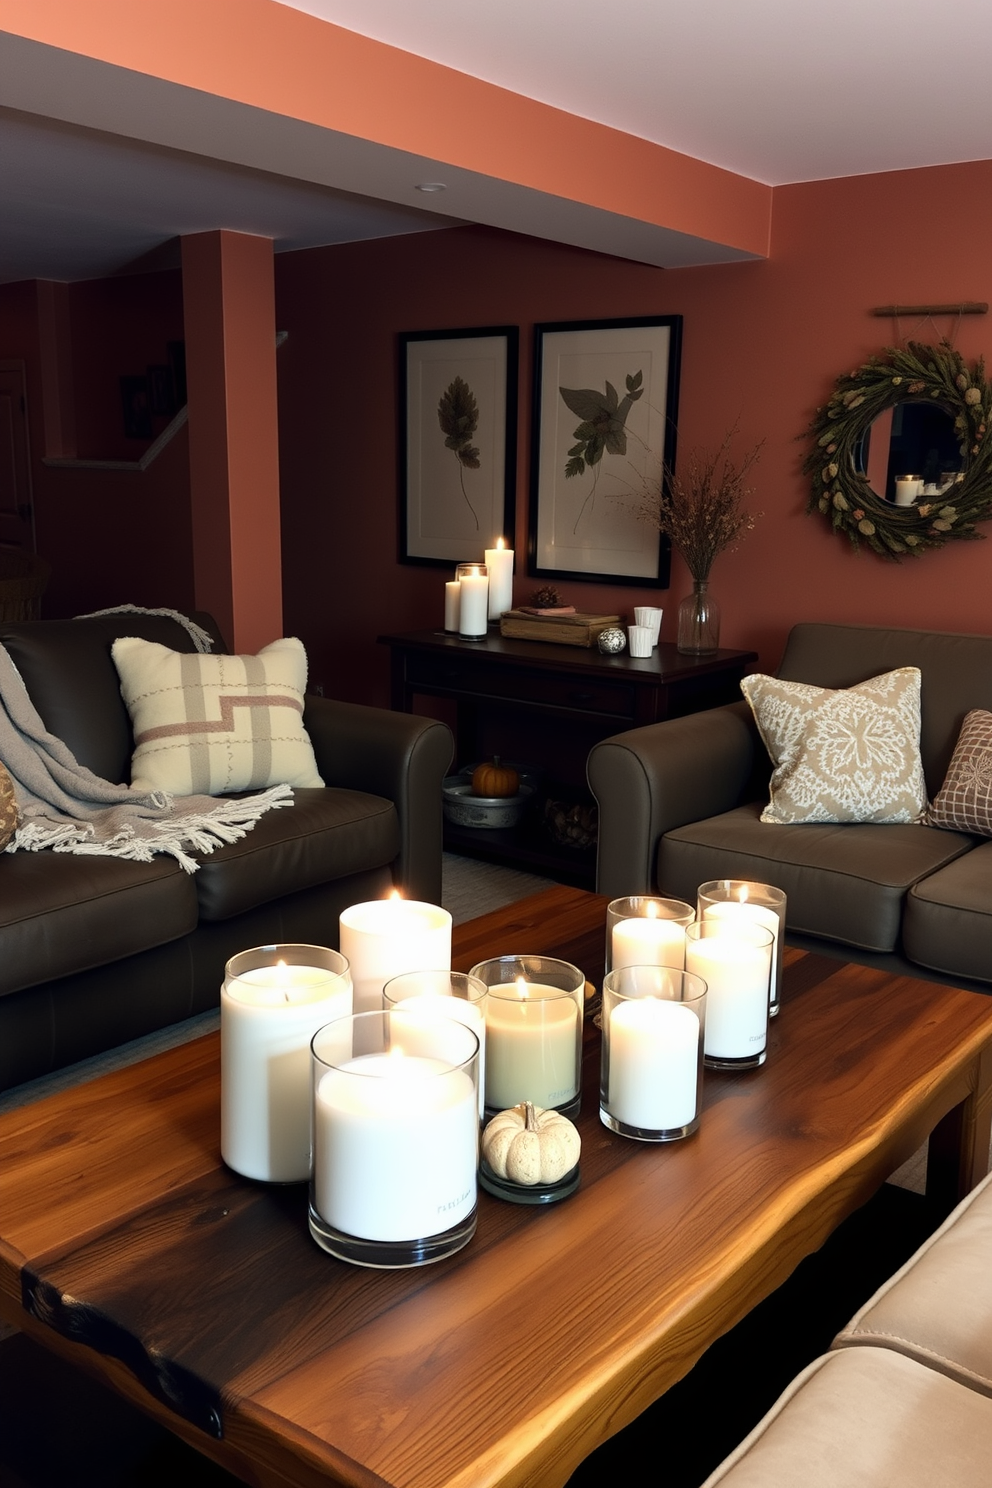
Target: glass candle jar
(651, 1070)
(534, 1013)
(735, 963)
(730, 899)
(395, 1138)
(644, 930)
(273, 1000)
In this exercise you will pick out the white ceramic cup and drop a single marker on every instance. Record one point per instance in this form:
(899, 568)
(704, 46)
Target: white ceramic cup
(650, 616)
(639, 639)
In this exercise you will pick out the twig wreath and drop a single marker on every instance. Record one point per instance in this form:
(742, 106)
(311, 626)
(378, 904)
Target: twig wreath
(842, 493)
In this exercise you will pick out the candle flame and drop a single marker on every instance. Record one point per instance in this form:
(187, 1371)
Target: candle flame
(282, 977)
(651, 913)
(395, 897)
(521, 988)
(499, 543)
(742, 894)
(396, 1052)
(475, 572)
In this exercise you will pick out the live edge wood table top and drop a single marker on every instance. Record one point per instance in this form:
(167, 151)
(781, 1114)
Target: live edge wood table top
(126, 1246)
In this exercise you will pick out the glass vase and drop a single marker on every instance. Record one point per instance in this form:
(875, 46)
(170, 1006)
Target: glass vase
(699, 621)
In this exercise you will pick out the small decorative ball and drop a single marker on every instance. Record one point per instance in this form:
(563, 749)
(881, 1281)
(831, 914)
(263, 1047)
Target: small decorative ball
(611, 641)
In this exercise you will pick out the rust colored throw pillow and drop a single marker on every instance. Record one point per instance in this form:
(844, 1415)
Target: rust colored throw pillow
(964, 801)
(8, 809)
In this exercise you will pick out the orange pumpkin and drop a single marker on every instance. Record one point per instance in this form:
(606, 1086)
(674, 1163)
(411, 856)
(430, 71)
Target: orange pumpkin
(495, 780)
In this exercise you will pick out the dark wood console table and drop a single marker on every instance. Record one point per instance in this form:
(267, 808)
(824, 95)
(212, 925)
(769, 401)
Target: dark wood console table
(546, 705)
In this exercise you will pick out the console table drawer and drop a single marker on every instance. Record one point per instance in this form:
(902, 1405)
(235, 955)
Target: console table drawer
(464, 676)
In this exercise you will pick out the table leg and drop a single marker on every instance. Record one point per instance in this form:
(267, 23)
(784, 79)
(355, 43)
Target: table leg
(958, 1157)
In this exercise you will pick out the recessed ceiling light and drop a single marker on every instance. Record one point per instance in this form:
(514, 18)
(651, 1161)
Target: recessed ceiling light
(432, 186)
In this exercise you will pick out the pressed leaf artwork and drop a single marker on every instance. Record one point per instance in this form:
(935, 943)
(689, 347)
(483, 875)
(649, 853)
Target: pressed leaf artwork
(458, 415)
(603, 428)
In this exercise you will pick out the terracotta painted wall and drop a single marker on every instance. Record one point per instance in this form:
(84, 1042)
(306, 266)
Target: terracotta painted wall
(112, 537)
(762, 345)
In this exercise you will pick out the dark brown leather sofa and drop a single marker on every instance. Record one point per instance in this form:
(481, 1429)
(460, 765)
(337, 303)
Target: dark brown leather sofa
(95, 951)
(679, 803)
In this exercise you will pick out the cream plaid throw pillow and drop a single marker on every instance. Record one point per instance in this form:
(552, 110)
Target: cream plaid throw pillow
(851, 755)
(207, 725)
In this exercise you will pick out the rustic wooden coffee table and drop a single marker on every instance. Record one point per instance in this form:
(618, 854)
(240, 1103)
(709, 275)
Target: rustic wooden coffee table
(127, 1247)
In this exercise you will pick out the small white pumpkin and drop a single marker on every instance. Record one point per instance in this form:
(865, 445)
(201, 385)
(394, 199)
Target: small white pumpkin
(528, 1145)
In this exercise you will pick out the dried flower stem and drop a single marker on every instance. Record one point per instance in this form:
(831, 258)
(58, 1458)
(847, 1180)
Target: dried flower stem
(701, 508)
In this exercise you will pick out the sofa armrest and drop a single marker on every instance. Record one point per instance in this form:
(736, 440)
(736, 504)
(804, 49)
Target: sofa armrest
(396, 755)
(649, 780)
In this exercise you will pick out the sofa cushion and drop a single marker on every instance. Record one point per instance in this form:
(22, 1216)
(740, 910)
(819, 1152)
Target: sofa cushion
(866, 1418)
(964, 801)
(208, 725)
(62, 913)
(844, 882)
(938, 1307)
(948, 921)
(326, 834)
(842, 755)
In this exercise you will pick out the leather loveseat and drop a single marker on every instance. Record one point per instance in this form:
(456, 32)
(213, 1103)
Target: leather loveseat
(95, 950)
(903, 1398)
(680, 801)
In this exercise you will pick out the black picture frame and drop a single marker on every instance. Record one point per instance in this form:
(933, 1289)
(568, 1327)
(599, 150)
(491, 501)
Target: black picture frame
(451, 508)
(593, 454)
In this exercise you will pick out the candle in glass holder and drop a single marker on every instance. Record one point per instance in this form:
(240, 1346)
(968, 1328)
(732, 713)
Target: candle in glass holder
(645, 931)
(396, 1131)
(737, 900)
(735, 964)
(273, 1000)
(473, 605)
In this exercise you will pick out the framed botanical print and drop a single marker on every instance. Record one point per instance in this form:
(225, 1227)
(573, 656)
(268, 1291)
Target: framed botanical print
(605, 417)
(458, 441)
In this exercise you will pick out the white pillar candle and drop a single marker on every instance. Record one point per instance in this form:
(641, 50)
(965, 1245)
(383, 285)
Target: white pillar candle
(648, 941)
(531, 1046)
(395, 1147)
(452, 603)
(499, 566)
(908, 487)
(654, 1057)
(385, 937)
(473, 617)
(438, 1005)
(745, 911)
(736, 973)
(267, 1018)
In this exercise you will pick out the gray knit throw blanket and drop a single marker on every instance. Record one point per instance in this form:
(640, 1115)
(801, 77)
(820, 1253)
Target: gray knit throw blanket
(62, 805)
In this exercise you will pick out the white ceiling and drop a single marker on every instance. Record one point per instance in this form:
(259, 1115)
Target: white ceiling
(778, 90)
(100, 171)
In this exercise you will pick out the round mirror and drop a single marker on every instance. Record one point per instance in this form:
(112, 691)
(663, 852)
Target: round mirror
(901, 457)
(912, 441)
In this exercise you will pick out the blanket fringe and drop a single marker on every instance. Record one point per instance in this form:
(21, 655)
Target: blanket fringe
(201, 832)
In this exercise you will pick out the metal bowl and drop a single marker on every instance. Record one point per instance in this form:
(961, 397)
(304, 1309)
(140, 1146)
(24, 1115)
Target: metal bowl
(464, 809)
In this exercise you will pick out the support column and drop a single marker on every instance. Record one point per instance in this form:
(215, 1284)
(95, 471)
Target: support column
(229, 315)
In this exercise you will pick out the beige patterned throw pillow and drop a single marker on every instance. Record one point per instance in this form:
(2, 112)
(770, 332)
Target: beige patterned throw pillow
(964, 801)
(206, 725)
(8, 809)
(842, 756)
